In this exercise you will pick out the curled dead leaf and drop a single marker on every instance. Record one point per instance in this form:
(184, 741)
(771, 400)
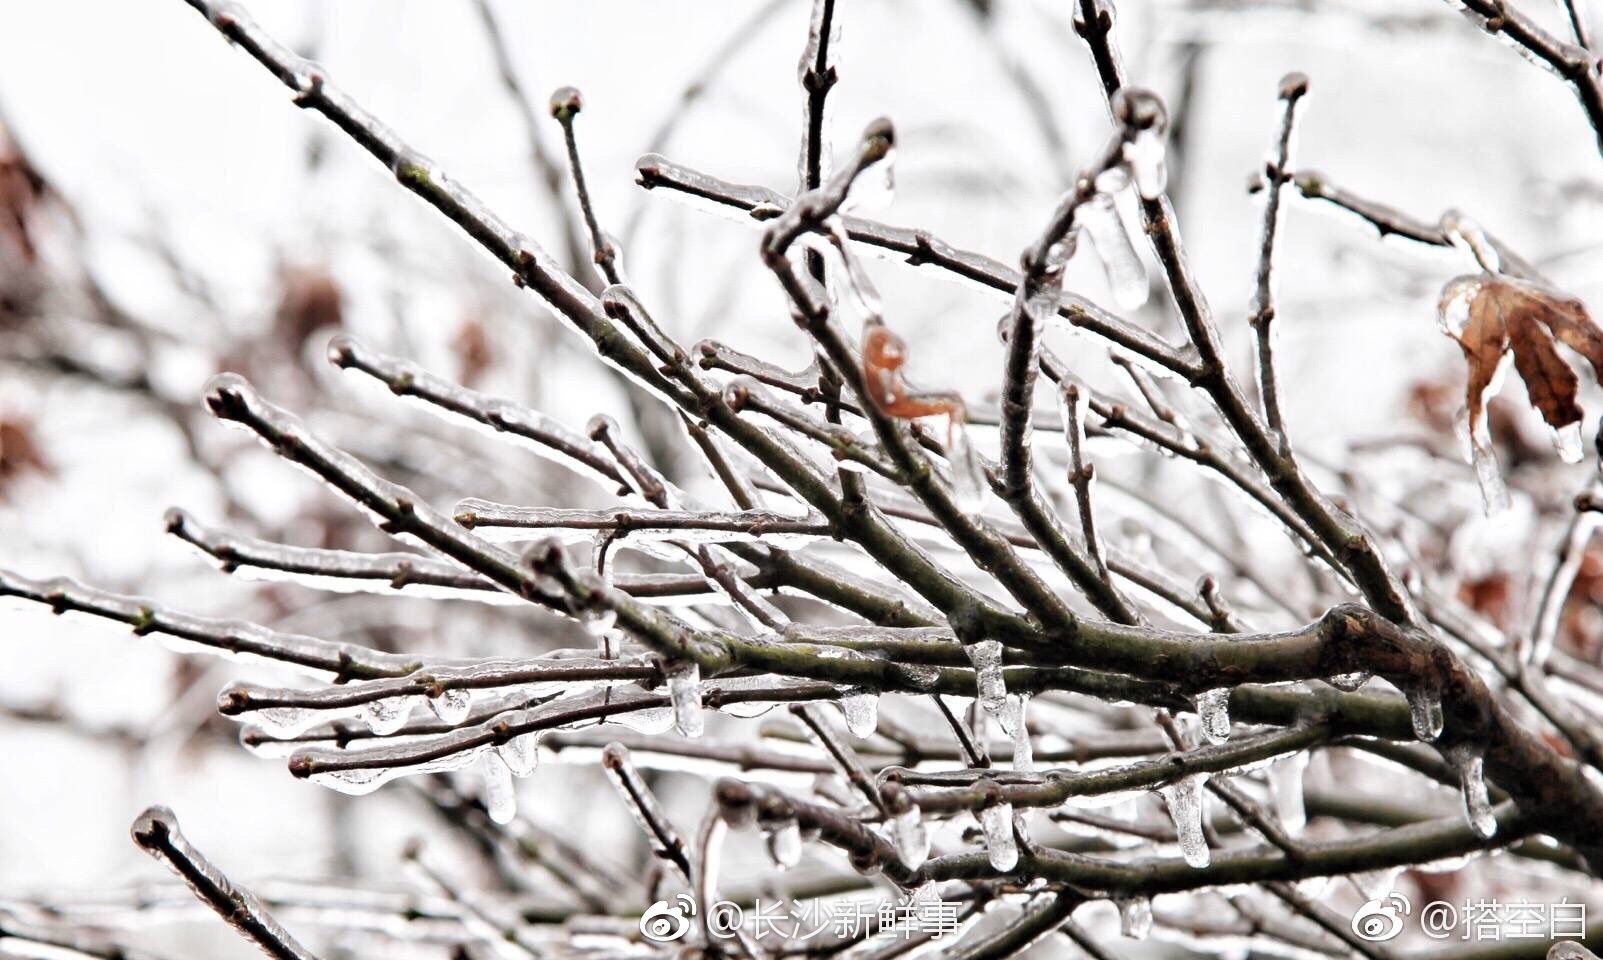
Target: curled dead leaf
(1493, 316)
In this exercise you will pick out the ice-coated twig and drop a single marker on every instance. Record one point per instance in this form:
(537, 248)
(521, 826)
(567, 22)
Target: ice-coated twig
(1293, 87)
(475, 912)
(990, 551)
(531, 523)
(1387, 221)
(665, 840)
(394, 509)
(841, 754)
(1081, 475)
(1035, 304)
(565, 105)
(433, 682)
(916, 247)
(1574, 64)
(342, 569)
(543, 435)
(546, 170)
(1053, 787)
(156, 832)
(342, 660)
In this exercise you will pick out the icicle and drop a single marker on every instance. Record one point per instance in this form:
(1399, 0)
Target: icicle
(1348, 682)
(1477, 805)
(500, 795)
(1285, 790)
(986, 656)
(1213, 707)
(911, 837)
(1126, 275)
(997, 823)
(1567, 442)
(862, 714)
(386, 716)
(1483, 456)
(521, 754)
(1426, 708)
(452, 706)
(1184, 798)
(1135, 917)
(1013, 721)
(968, 474)
(684, 688)
(785, 844)
(1144, 155)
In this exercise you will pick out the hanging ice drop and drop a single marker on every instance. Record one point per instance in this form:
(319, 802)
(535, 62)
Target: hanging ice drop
(1184, 799)
(452, 706)
(997, 823)
(500, 794)
(862, 714)
(684, 689)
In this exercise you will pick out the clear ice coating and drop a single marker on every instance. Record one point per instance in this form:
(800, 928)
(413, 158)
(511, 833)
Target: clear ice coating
(452, 706)
(1135, 917)
(986, 656)
(521, 754)
(1285, 790)
(1184, 799)
(1425, 706)
(785, 844)
(1213, 706)
(388, 715)
(1348, 682)
(500, 795)
(996, 822)
(911, 837)
(862, 714)
(1144, 157)
(684, 689)
(1126, 275)
(1470, 767)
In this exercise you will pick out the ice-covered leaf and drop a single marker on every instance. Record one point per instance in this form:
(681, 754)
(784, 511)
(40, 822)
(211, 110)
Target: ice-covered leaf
(1492, 316)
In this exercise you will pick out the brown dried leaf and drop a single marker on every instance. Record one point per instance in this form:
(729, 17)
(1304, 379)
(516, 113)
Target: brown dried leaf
(1491, 315)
